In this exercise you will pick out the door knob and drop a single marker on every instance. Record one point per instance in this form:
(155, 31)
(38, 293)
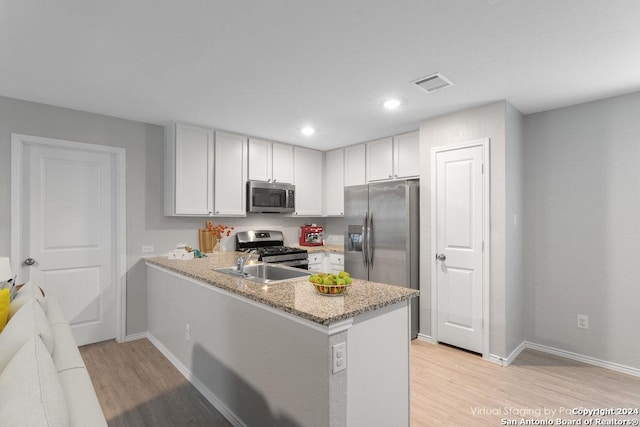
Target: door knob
(29, 261)
(441, 257)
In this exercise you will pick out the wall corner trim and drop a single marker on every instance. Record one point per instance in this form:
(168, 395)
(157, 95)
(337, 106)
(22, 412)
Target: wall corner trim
(136, 337)
(515, 353)
(426, 338)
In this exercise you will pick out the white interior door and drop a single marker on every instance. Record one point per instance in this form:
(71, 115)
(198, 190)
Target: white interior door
(69, 198)
(459, 211)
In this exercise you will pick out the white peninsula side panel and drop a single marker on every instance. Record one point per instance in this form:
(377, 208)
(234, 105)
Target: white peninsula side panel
(261, 366)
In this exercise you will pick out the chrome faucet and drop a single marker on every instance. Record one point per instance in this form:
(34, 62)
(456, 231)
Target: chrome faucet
(242, 260)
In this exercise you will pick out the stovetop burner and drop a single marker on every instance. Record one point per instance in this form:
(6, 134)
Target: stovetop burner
(278, 250)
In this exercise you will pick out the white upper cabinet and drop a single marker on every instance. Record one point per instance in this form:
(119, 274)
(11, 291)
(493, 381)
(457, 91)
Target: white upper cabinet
(354, 165)
(406, 155)
(307, 177)
(380, 159)
(230, 175)
(395, 157)
(334, 182)
(188, 170)
(260, 160)
(282, 157)
(270, 161)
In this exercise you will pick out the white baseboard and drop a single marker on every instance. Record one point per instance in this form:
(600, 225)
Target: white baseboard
(515, 353)
(585, 359)
(426, 338)
(203, 389)
(496, 359)
(135, 337)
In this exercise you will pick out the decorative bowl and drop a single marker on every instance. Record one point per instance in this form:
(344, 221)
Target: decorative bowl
(330, 289)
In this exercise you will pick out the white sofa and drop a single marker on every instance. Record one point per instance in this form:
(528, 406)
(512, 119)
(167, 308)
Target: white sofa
(43, 379)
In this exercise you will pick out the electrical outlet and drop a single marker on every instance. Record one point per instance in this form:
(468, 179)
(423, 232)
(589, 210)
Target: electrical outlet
(147, 248)
(339, 357)
(583, 321)
(187, 331)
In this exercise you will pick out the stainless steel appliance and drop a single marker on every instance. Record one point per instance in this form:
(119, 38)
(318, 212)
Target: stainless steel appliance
(270, 197)
(382, 239)
(270, 247)
(311, 235)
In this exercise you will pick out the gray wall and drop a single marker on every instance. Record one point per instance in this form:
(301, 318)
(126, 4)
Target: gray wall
(146, 223)
(486, 121)
(582, 229)
(514, 283)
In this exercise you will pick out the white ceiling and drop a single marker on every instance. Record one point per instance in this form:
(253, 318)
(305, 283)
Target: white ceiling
(267, 68)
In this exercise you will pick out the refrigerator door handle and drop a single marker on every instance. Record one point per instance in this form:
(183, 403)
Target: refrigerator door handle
(370, 239)
(365, 220)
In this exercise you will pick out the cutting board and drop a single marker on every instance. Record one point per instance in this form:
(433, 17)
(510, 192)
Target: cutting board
(207, 239)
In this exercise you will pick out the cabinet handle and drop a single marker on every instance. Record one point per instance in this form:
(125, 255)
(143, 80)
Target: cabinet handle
(389, 176)
(269, 180)
(396, 175)
(210, 212)
(274, 180)
(217, 212)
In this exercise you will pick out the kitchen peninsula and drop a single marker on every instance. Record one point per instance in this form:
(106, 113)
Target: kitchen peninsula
(282, 354)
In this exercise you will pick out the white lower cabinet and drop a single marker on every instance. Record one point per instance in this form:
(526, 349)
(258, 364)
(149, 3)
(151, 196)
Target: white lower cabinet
(336, 263)
(316, 262)
(326, 262)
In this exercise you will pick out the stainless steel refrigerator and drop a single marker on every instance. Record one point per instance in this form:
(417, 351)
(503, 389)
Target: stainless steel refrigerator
(382, 239)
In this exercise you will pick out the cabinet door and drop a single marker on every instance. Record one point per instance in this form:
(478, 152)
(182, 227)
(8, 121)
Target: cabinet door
(334, 182)
(307, 177)
(354, 167)
(380, 159)
(260, 160)
(193, 170)
(230, 175)
(282, 163)
(407, 155)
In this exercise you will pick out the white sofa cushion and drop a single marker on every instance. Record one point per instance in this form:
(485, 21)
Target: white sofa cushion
(30, 391)
(25, 293)
(84, 408)
(28, 320)
(65, 353)
(54, 311)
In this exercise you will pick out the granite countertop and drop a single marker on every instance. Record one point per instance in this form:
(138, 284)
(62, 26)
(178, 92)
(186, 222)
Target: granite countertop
(337, 249)
(296, 296)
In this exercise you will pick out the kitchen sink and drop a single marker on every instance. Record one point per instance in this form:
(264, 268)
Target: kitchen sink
(265, 273)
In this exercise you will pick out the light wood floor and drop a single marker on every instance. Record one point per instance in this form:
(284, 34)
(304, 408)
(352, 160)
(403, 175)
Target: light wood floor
(138, 386)
(451, 387)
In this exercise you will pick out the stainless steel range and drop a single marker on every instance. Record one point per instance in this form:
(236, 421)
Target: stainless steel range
(270, 246)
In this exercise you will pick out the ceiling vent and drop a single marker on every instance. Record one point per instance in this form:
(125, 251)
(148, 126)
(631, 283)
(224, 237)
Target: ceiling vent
(433, 82)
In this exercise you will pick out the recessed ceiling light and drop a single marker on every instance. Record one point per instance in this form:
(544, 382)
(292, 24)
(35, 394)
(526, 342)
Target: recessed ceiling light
(391, 104)
(308, 130)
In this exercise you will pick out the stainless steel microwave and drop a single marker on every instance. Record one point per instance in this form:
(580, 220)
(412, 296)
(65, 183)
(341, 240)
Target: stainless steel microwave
(270, 197)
